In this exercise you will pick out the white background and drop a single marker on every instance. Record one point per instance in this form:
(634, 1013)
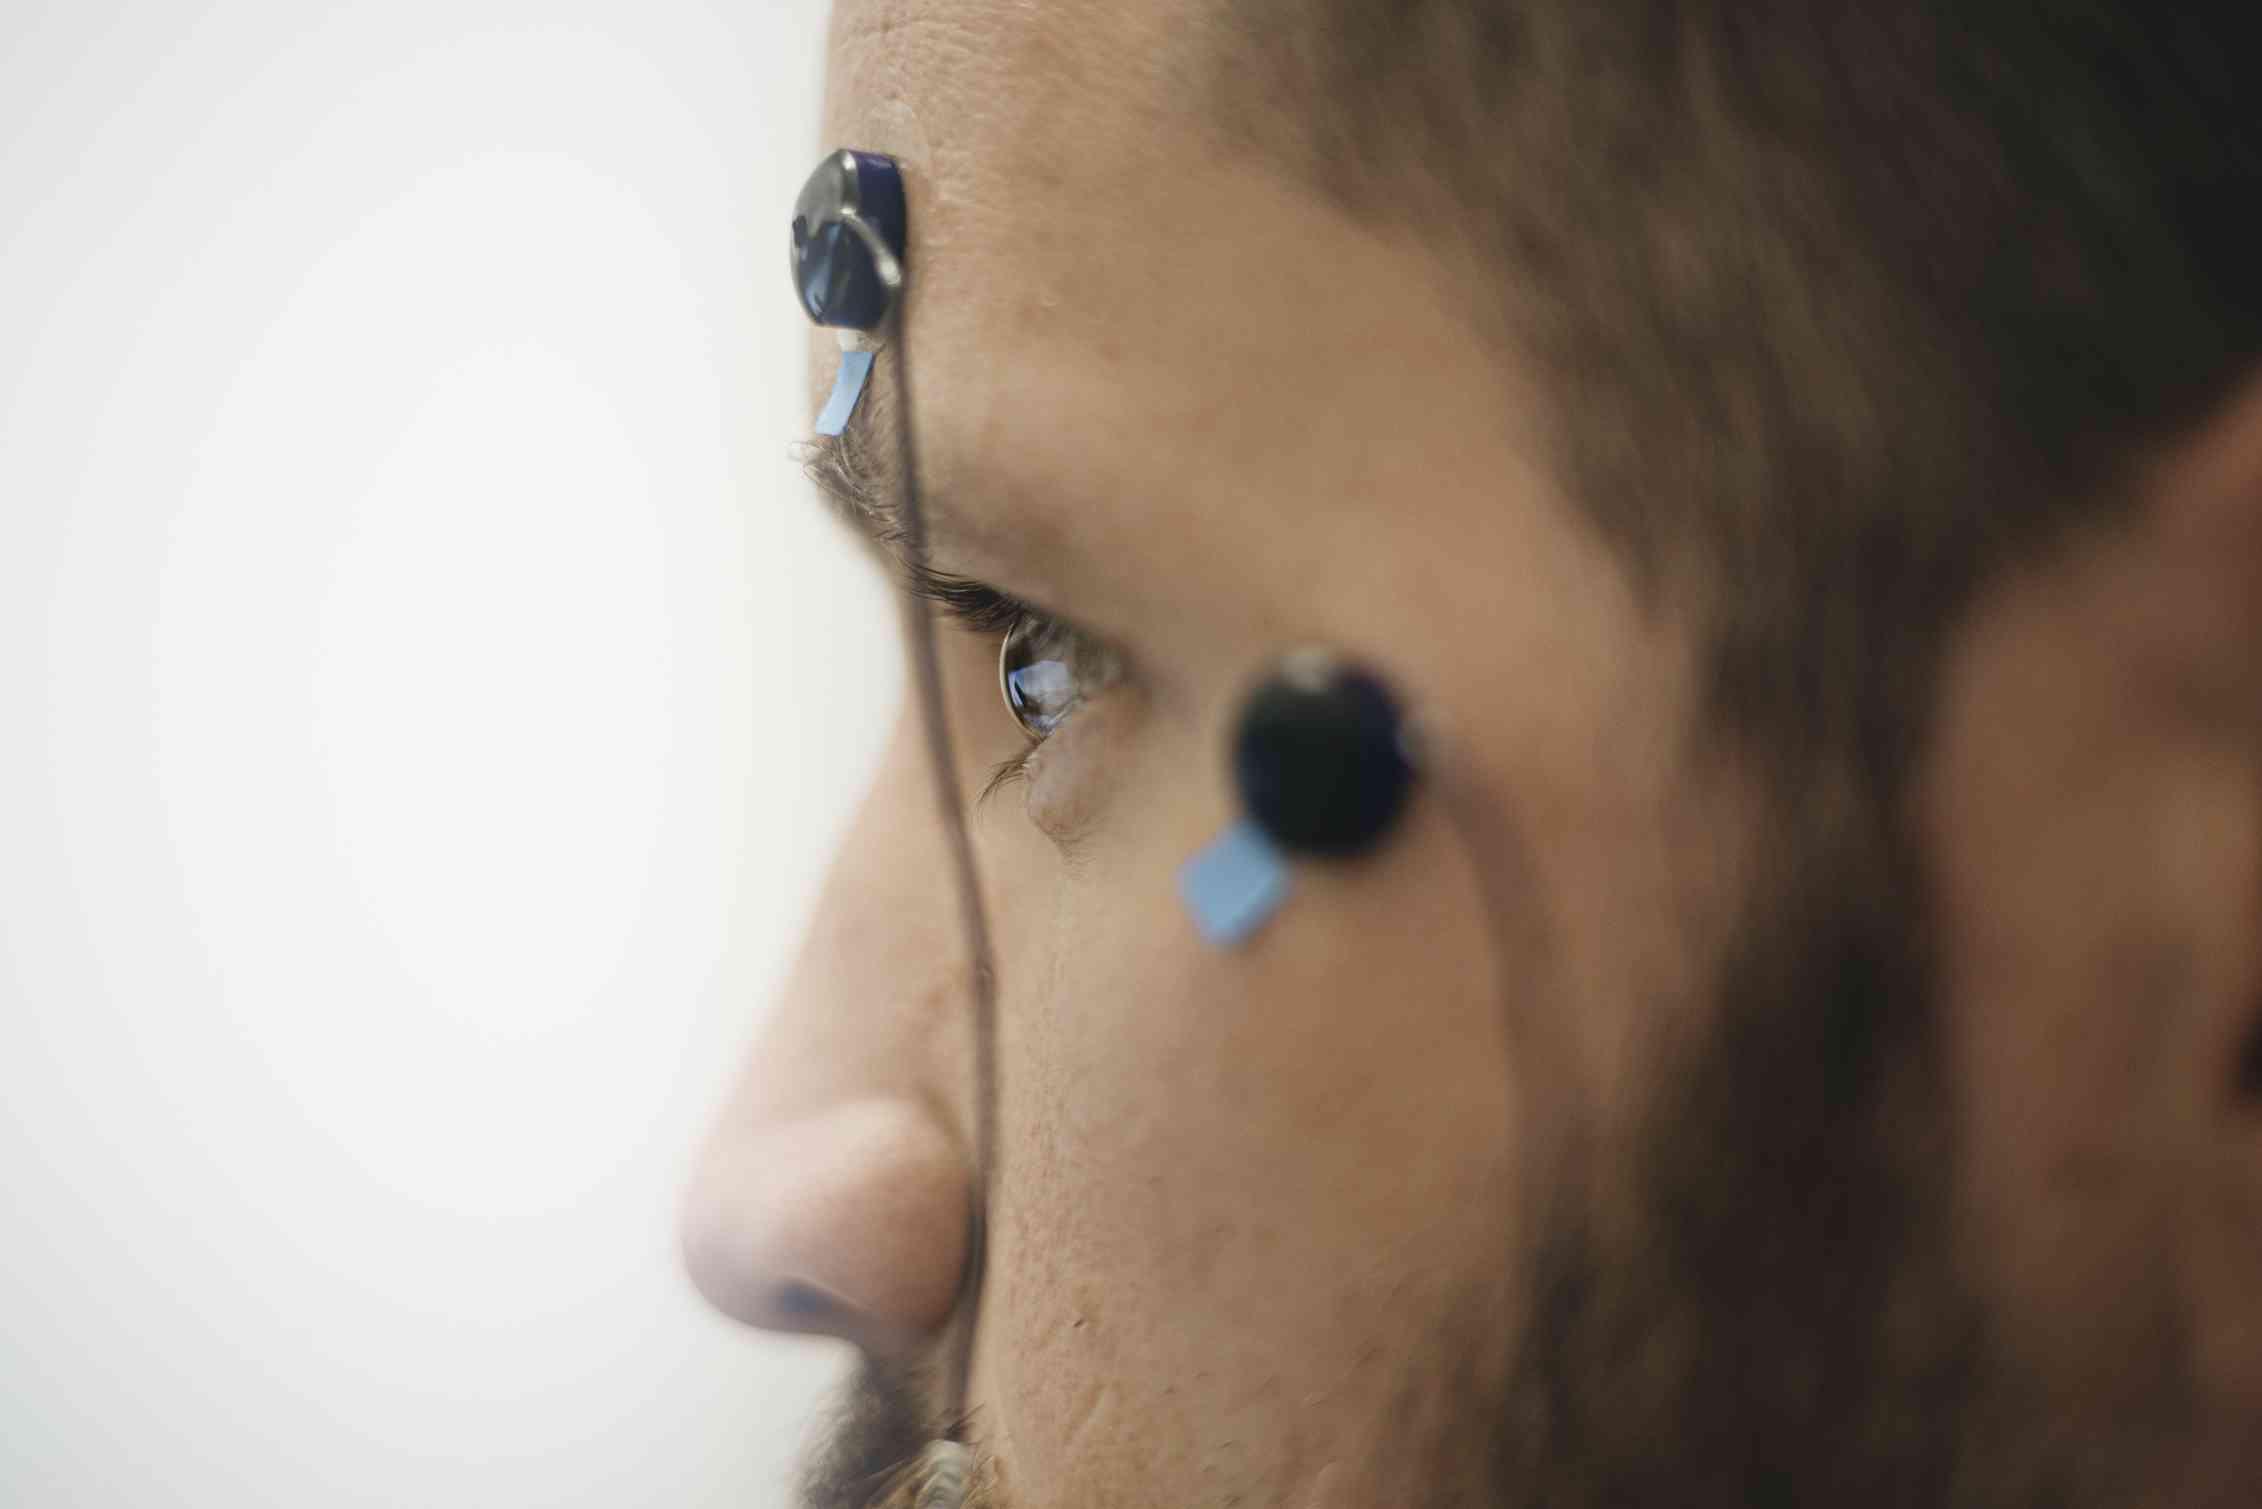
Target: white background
(427, 694)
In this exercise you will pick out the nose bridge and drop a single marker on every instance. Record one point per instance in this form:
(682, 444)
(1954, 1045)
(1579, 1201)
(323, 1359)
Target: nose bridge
(834, 1195)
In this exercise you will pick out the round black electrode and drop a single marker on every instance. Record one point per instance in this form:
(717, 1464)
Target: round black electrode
(848, 232)
(1320, 757)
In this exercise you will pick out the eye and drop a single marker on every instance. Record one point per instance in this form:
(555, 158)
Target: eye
(1045, 670)
(1046, 667)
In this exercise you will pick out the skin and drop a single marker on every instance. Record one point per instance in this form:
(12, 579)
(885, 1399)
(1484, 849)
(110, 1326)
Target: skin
(1241, 1198)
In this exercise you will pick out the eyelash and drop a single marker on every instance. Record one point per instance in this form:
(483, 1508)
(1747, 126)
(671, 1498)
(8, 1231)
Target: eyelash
(977, 605)
(986, 611)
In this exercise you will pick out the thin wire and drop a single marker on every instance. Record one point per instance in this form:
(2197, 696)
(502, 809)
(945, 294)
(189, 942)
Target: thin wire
(927, 674)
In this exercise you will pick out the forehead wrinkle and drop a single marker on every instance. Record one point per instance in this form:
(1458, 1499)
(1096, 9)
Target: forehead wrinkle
(962, 89)
(882, 78)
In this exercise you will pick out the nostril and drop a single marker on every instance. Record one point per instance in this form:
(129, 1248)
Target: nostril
(849, 1222)
(2249, 1084)
(797, 1307)
(800, 1304)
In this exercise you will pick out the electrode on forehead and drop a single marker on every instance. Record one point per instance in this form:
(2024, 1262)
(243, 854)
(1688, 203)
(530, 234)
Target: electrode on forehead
(848, 240)
(848, 387)
(1322, 764)
(847, 262)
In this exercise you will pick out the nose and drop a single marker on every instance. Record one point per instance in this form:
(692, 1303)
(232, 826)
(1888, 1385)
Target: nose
(834, 1196)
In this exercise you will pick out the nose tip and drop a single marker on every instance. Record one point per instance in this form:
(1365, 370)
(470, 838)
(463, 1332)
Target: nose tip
(848, 1222)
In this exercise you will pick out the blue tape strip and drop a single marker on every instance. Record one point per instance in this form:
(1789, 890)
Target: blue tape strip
(1234, 885)
(855, 368)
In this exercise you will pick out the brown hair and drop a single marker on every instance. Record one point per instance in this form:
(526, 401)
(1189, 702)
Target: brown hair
(1834, 307)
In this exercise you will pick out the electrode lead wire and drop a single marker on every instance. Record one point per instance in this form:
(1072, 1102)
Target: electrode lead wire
(942, 761)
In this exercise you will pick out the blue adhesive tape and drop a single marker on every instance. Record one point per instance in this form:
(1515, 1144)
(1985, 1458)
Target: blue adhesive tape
(855, 369)
(1234, 885)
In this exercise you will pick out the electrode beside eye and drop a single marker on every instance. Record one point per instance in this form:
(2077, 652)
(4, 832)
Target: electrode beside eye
(1322, 765)
(1320, 758)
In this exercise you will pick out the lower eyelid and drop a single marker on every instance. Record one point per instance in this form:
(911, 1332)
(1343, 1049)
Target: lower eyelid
(1068, 778)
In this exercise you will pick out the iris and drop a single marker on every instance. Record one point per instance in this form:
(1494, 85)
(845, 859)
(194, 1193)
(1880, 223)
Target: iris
(1037, 671)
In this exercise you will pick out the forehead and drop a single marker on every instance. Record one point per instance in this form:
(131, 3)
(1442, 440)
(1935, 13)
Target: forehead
(1031, 137)
(1025, 131)
(1141, 383)
(969, 85)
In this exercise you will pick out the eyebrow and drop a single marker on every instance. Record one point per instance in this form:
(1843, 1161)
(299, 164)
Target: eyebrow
(859, 472)
(857, 480)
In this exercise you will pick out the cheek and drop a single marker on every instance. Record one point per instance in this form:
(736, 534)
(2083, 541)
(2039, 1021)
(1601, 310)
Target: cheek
(1077, 778)
(1236, 1190)
(1236, 1184)
(2095, 852)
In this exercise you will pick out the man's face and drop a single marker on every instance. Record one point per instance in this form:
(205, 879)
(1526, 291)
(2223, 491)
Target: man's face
(1601, 1123)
